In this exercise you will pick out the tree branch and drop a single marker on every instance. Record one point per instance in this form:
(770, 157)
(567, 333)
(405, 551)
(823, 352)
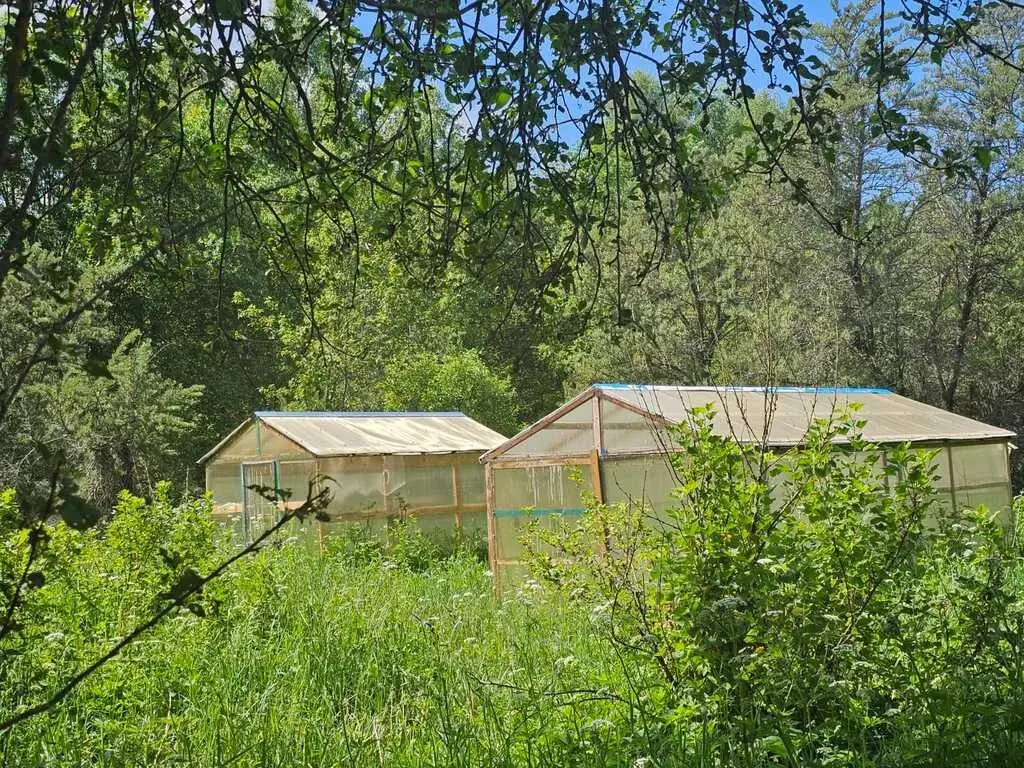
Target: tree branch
(312, 506)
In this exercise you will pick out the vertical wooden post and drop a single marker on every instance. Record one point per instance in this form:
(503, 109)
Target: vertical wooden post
(455, 495)
(1010, 512)
(595, 476)
(492, 532)
(595, 465)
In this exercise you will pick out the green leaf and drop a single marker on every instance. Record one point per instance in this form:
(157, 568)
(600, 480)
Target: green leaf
(502, 97)
(984, 155)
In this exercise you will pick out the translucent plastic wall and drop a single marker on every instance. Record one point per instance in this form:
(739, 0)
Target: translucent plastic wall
(966, 474)
(442, 492)
(537, 494)
(224, 481)
(256, 456)
(979, 476)
(293, 477)
(244, 445)
(648, 480)
(969, 475)
(625, 431)
(357, 486)
(572, 434)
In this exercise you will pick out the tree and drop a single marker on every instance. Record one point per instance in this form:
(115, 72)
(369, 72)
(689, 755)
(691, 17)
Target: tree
(974, 222)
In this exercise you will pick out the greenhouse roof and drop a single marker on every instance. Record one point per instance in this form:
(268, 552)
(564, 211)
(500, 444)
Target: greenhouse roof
(777, 415)
(349, 433)
(787, 411)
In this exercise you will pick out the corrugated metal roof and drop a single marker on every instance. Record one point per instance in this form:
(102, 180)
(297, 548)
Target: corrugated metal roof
(343, 433)
(780, 415)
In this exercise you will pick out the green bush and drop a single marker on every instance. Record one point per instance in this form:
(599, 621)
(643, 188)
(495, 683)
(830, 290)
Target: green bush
(321, 660)
(104, 579)
(813, 608)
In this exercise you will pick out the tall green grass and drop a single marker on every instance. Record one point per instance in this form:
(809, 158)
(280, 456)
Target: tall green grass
(397, 652)
(314, 661)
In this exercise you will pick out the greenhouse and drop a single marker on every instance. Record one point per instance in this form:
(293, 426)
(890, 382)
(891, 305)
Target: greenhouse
(613, 441)
(380, 466)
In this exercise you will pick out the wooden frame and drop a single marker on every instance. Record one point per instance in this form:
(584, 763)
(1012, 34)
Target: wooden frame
(550, 461)
(492, 542)
(455, 497)
(596, 476)
(591, 460)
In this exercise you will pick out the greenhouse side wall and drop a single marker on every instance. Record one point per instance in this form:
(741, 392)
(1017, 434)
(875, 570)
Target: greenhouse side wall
(224, 481)
(647, 479)
(442, 493)
(547, 492)
(980, 475)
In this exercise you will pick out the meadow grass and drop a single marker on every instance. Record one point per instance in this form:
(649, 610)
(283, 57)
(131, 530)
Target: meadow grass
(396, 651)
(318, 660)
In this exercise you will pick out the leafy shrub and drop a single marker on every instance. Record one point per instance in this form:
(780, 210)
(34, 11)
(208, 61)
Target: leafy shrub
(814, 608)
(93, 586)
(314, 660)
(403, 544)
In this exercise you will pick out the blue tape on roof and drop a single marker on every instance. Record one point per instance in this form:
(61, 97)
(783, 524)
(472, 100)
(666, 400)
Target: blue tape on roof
(731, 388)
(356, 414)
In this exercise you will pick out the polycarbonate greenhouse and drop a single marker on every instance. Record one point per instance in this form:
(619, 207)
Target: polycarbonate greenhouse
(384, 466)
(613, 440)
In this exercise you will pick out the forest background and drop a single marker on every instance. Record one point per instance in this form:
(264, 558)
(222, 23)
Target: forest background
(398, 220)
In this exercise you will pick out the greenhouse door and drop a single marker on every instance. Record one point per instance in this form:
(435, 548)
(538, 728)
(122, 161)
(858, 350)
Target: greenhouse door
(258, 514)
(526, 492)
